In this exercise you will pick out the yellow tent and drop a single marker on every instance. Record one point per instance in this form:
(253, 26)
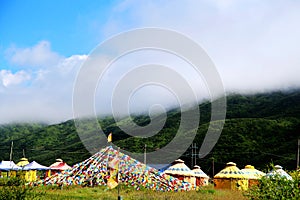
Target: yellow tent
(179, 170)
(231, 177)
(34, 169)
(23, 162)
(25, 175)
(252, 174)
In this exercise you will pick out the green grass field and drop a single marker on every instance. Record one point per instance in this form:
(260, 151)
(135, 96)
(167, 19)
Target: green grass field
(130, 193)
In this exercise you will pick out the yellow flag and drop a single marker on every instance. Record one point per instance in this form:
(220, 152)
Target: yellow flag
(113, 166)
(109, 138)
(112, 183)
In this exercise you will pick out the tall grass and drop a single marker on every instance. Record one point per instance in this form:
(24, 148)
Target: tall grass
(101, 192)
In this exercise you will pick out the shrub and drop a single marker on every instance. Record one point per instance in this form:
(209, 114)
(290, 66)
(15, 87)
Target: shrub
(15, 189)
(276, 187)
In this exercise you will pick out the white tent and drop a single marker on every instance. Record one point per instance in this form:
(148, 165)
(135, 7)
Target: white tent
(182, 172)
(178, 168)
(35, 166)
(198, 172)
(8, 165)
(201, 177)
(279, 171)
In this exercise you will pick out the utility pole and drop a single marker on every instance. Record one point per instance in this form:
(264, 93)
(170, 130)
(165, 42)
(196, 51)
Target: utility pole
(195, 154)
(192, 155)
(145, 154)
(298, 154)
(213, 166)
(11, 150)
(24, 154)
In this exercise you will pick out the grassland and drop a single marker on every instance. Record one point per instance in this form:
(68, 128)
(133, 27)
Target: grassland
(132, 194)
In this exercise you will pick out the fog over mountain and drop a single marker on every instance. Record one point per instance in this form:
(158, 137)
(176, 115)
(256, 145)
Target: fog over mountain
(253, 44)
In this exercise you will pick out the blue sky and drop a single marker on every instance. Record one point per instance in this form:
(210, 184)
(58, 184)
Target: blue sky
(254, 44)
(71, 27)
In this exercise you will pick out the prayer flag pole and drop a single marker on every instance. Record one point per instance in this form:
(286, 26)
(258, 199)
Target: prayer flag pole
(119, 197)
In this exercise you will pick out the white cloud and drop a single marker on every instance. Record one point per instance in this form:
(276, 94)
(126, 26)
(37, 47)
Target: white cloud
(67, 65)
(8, 78)
(254, 44)
(39, 55)
(42, 93)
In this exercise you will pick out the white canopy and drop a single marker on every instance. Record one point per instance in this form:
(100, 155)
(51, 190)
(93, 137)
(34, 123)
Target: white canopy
(279, 171)
(8, 165)
(35, 166)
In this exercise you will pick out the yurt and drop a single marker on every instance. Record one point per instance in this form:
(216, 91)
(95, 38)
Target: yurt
(32, 171)
(130, 172)
(179, 170)
(23, 162)
(252, 174)
(279, 171)
(58, 167)
(8, 169)
(25, 175)
(231, 177)
(201, 177)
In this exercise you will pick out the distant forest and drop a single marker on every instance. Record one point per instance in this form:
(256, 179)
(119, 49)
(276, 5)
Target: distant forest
(259, 129)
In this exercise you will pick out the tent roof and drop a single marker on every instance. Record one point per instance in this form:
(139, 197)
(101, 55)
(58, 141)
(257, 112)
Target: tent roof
(279, 171)
(9, 165)
(252, 173)
(179, 168)
(178, 161)
(60, 166)
(23, 162)
(230, 171)
(198, 172)
(35, 166)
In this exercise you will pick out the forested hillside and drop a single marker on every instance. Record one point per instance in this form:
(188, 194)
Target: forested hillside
(259, 129)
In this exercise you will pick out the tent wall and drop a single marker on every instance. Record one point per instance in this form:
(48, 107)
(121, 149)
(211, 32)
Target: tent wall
(201, 181)
(252, 182)
(191, 180)
(8, 173)
(231, 184)
(180, 177)
(28, 175)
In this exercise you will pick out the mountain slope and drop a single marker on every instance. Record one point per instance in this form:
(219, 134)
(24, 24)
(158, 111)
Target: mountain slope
(259, 129)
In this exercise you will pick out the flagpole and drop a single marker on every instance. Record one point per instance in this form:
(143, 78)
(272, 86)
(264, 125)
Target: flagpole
(119, 197)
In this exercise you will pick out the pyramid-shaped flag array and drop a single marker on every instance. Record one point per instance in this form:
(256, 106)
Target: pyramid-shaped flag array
(99, 169)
